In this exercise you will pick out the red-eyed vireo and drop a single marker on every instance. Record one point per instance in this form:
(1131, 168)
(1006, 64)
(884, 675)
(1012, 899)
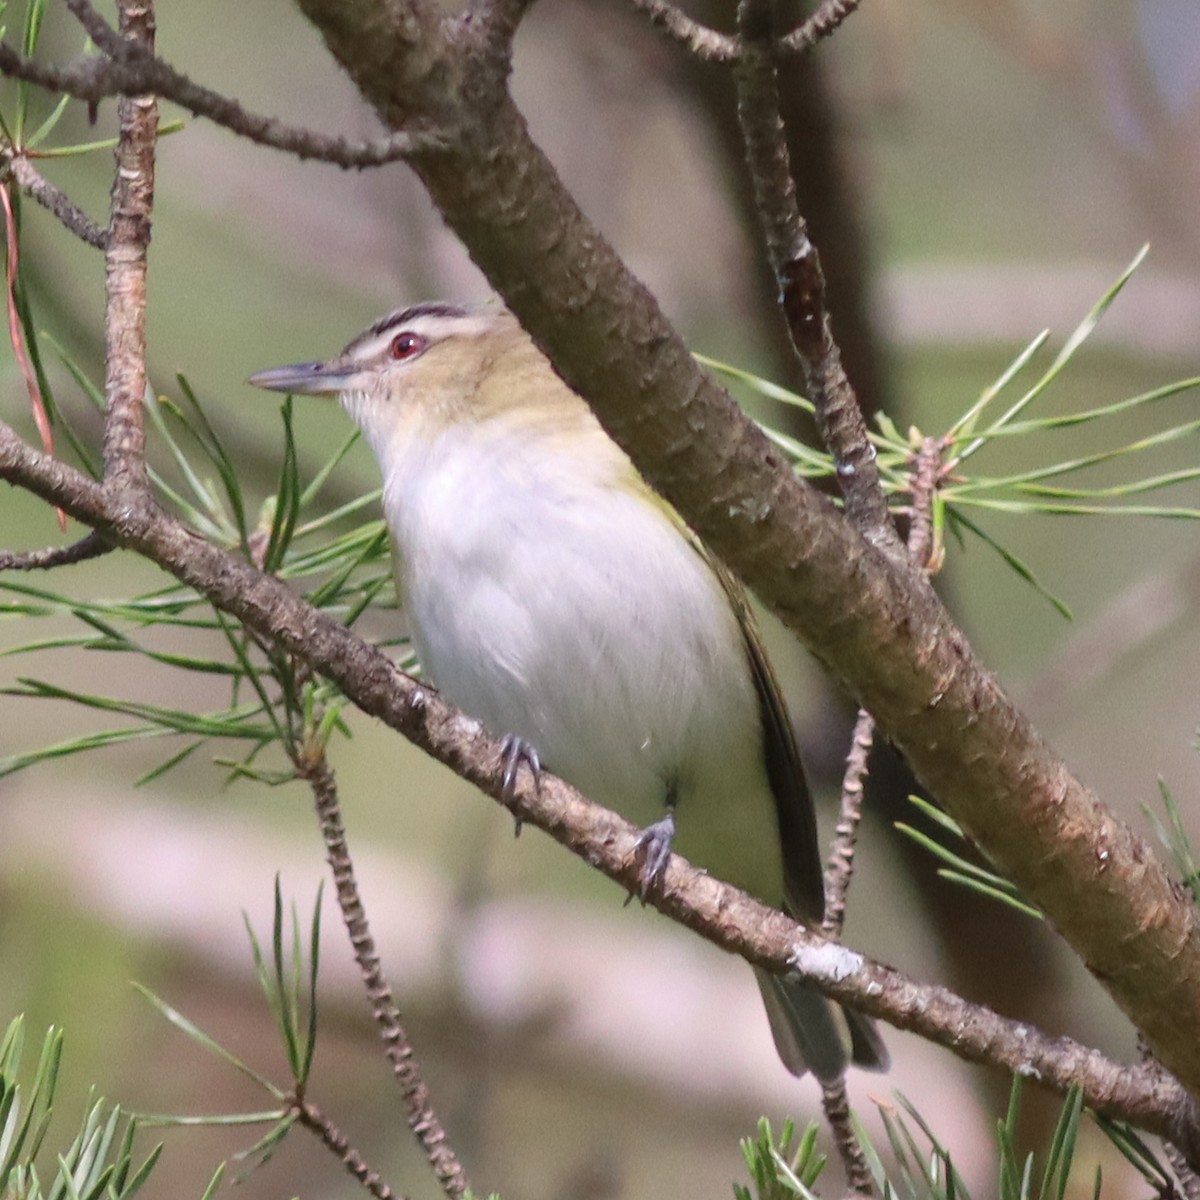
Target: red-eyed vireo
(555, 597)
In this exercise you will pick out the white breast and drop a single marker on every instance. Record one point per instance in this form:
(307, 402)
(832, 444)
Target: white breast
(552, 604)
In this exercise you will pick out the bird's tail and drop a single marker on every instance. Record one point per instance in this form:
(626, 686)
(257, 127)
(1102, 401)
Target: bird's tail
(814, 1034)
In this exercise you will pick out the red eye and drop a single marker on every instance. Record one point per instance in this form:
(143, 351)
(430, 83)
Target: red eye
(406, 345)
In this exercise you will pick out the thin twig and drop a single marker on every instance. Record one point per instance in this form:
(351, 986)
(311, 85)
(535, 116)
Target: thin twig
(926, 473)
(820, 25)
(797, 268)
(33, 183)
(422, 1119)
(311, 1117)
(714, 46)
(94, 79)
(840, 868)
(125, 269)
(702, 41)
(98, 29)
(91, 545)
(836, 1103)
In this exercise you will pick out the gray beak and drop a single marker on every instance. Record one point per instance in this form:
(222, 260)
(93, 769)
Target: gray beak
(308, 379)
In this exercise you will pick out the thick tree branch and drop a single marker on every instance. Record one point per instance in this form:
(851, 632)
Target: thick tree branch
(95, 79)
(875, 623)
(1143, 1095)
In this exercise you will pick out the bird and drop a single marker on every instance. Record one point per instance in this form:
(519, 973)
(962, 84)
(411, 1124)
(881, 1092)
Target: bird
(555, 597)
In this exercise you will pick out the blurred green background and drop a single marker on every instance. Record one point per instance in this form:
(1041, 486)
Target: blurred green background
(1000, 163)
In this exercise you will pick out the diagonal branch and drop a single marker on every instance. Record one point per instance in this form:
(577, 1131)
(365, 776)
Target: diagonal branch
(33, 183)
(95, 79)
(714, 46)
(703, 42)
(422, 1120)
(1143, 1095)
(873, 621)
(91, 545)
(332, 1138)
(822, 24)
(98, 29)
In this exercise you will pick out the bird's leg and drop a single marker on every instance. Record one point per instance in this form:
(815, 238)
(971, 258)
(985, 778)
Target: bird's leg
(653, 847)
(515, 750)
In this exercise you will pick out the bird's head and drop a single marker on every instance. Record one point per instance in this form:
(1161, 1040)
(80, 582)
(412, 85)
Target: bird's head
(437, 363)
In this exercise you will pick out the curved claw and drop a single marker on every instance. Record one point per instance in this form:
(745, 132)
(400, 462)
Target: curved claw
(515, 750)
(654, 849)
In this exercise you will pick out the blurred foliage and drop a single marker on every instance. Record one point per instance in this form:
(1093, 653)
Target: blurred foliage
(922, 1167)
(288, 981)
(99, 1163)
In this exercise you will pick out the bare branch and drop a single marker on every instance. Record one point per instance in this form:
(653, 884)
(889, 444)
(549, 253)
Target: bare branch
(422, 1119)
(797, 268)
(94, 79)
(821, 24)
(125, 269)
(1143, 1095)
(33, 183)
(702, 41)
(332, 1138)
(91, 545)
(714, 46)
